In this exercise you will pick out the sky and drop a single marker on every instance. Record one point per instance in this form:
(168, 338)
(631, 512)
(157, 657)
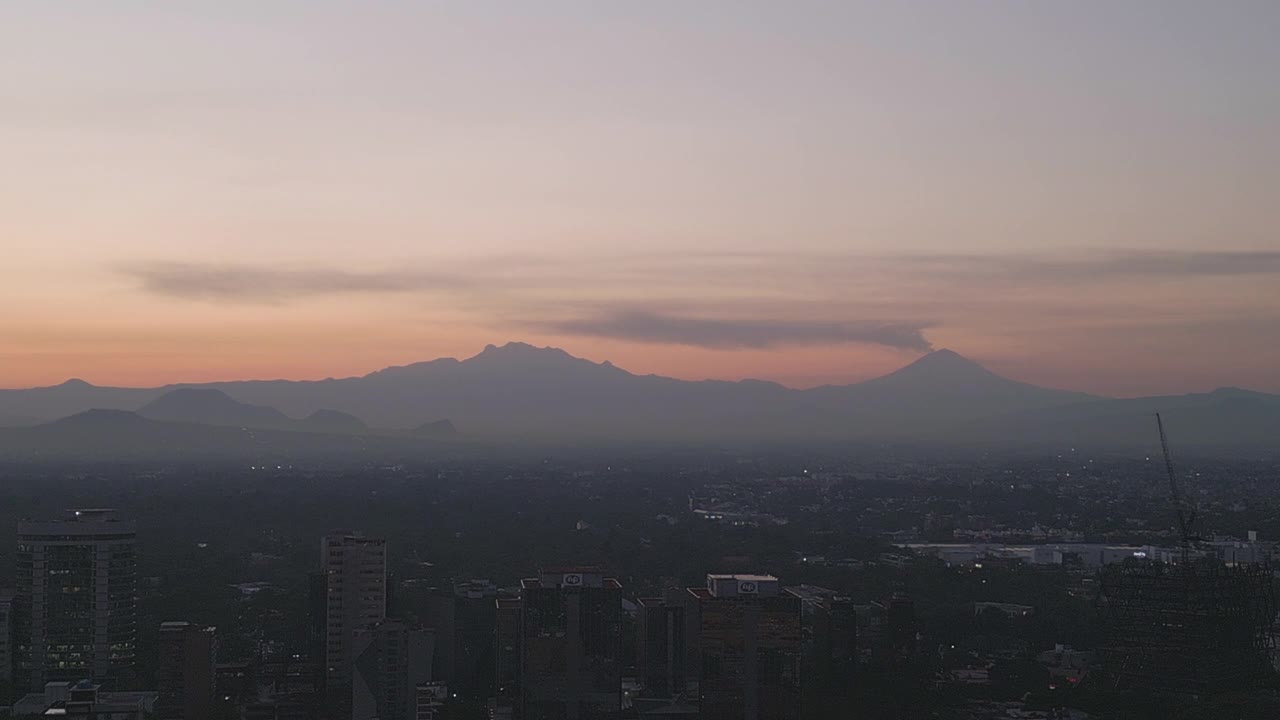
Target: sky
(1078, 194)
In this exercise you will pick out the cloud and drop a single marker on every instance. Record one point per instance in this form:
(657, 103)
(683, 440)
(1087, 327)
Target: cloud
(741, 274)
(248, 284)
(750, 300)
(1100, 265)
(650, 327)
(1192, 263)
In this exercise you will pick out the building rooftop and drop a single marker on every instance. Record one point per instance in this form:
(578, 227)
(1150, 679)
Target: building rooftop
(176, 625)
(57, 700)
(475, 588)
(563, 569)
(742, 585)
(572, 579)
(814, 593)
(91, 513)
(742, 577)
(354, 536)
(85, 522)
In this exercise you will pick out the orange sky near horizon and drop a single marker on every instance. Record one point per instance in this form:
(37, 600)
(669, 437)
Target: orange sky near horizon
(812, 192)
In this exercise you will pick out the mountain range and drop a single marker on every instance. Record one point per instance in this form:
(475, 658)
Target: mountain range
(522, 392)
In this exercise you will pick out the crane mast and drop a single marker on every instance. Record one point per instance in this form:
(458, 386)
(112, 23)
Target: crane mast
(1182, 509)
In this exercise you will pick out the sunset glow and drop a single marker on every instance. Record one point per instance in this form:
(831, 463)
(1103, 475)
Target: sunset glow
(723, 190)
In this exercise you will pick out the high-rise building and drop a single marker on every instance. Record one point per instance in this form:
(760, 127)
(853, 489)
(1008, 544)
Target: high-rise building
(317, 615)
(186, 672)
(432, 698)
(355, 599)
(273, 686)
(234, 682)
(830, 632)
(571, 646)
(7, 610)
(277, 706)
(507, 620)
(750, 641)
(79, 576)
(474, 619)
(900, 621)
(660, 648)
(391, 660)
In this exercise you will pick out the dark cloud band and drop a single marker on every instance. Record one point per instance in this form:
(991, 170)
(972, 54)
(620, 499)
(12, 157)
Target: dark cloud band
(259, 284)
(639, 326)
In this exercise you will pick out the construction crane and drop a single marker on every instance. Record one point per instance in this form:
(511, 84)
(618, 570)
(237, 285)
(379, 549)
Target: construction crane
(1182, 508)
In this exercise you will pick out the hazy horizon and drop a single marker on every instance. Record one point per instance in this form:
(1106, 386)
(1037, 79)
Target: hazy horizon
(1082, 196)
(596, 360)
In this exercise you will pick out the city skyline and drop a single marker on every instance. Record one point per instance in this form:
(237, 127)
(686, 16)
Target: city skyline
(1079, 196)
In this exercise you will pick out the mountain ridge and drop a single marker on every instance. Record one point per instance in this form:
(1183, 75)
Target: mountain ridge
(506, 350)
(923, 360)
(522, 391)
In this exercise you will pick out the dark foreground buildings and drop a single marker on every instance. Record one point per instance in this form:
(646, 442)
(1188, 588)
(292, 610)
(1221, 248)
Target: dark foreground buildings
(186, 673)
(1187, 630)
(390, 660)
(355, 599)
(661, 642)
(571, 636)
(9, 606)
(79, 578)
(473, 619)
(749, 639)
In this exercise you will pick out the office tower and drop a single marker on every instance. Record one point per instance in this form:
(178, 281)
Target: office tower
(391, 659)
(830, 632)
(7, 604)
(317, 618)
(688, 604)
(186, 673)
(277, 707)
(79, 576)
(474, 619)
(233, 680)
(317, 610)
(900, 621)
(432, 698)
(571, 646)
(278, 686)
(750, 638)
(355, 599)
(287, 673)
(507, 622)
(660, 648)
(429, 604)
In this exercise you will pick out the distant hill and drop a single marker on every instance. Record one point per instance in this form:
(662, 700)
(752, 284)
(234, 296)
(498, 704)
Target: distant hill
(119, 433)
(332, 421)
(122, 435)
(73, 396)
(437, 429)
(1225, 418)
(208, 406)
(520, 392)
